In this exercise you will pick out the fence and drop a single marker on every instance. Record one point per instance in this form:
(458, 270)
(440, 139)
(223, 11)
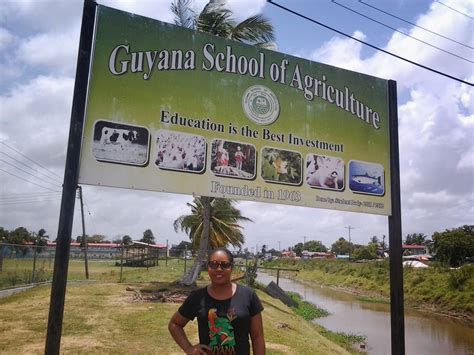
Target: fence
(22, 264)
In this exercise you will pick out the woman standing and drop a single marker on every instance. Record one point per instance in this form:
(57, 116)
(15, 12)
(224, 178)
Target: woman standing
(227, 313)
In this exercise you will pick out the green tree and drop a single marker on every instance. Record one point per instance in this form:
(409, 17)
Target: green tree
(3, 235)
(415, 239)
(127, 240)
(97, 238)
(341, 247)
(216, 19)
(20, 236)
(454, 246)
(311, 245)
(364, 253)
(223, 229)
(148, 237)
(40, 239)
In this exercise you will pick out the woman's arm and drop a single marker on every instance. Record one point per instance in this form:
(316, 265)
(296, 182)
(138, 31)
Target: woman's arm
(176, 328)
(256, 334)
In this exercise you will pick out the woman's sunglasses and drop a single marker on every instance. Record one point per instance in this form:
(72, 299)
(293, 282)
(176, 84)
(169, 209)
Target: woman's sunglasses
(215, 265)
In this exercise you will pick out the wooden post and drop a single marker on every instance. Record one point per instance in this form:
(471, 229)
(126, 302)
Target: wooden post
(84, 236)
(185, 255)
(278, 277)
(33, 276)
(166, 255)
(121, 265)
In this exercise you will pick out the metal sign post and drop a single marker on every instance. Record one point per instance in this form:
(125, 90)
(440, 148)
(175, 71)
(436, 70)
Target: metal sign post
(395, 232)
(66, 216)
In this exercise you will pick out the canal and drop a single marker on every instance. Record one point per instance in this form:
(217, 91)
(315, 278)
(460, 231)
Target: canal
(425, 333)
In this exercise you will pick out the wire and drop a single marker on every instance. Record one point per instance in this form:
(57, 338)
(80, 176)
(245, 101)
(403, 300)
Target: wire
(26, 172)
(403, 33)
(15, 150)
(19, 177)
(29, 167)
(23, 198)
(26, 194)
(368, 44)
(414, 24)
(452, 8)
(7, 203)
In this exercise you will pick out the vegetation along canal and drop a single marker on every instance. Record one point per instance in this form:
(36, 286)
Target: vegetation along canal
(425, 333)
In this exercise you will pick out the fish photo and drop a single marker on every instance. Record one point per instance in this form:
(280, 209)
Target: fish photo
(366, 178)
(120, 143)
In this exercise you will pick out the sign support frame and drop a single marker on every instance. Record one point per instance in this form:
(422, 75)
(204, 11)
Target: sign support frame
(397, 319)
(71, 174)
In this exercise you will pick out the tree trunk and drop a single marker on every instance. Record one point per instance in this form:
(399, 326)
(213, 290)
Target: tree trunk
(193, 273)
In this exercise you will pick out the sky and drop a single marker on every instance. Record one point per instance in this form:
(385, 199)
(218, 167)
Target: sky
(38, 53)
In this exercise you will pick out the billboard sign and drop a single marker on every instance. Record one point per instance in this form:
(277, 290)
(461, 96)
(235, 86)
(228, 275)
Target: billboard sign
(174, 110)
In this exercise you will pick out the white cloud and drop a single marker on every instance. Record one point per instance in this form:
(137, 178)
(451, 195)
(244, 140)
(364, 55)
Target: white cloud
(341, 52)
(56, 51)
(6, 37)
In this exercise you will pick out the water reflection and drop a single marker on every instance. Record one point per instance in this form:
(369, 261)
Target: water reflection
(424, 333)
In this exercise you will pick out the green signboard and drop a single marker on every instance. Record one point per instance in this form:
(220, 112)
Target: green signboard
(174, 110)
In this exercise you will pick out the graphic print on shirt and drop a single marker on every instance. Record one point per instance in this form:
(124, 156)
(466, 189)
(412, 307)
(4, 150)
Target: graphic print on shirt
(221, 332)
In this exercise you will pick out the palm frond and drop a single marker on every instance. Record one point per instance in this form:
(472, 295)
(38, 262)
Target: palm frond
(253, 30)
(184, 14)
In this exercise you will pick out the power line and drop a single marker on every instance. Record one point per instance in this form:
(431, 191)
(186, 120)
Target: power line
(29, 167)
(452, 8)
(28, 194)
(19, 177)
(368, 44)
(34, 197)
(15, 150)
(414, 24)
(403, 33)
(8, 203)
(26, 172)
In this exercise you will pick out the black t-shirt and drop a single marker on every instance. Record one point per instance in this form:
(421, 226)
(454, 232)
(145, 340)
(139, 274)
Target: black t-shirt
(223, 325)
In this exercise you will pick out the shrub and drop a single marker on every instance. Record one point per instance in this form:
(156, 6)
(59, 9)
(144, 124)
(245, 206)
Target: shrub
(457, 278)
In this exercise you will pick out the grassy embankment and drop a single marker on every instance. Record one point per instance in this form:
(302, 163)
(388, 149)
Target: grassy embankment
(436, 288)
(102, 317)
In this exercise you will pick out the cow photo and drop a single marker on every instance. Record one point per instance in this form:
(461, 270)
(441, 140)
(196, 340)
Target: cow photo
(281, 166)
(180, 151)
(120, 143)
(324, 172)
(233, 159)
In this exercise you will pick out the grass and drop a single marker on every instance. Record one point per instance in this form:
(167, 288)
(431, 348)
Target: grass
(305, 309)
(453, 292)
(103, 317)
(19, 271)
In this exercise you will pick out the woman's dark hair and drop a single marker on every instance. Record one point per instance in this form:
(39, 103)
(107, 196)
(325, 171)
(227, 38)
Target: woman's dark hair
(225, 250)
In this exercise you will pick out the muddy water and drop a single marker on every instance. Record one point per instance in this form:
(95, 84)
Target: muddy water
(424, 333)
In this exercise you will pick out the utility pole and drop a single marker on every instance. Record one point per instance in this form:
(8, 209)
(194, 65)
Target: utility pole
(84, 237)
(349, 228)
(279, 246)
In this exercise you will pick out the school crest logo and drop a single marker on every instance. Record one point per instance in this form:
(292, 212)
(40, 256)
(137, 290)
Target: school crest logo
(260, 105)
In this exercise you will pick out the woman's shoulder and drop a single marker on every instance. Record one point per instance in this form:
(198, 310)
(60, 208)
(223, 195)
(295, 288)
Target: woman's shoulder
(245, 289)
(198, 292)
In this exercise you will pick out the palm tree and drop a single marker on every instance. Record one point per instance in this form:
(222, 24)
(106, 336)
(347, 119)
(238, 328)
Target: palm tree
(216, 19)
(223, 228)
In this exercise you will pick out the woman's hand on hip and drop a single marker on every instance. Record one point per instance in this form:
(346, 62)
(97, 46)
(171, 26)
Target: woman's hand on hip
(198, 349)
